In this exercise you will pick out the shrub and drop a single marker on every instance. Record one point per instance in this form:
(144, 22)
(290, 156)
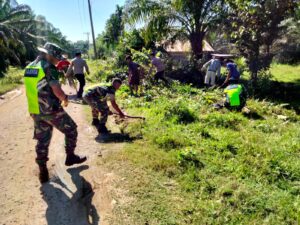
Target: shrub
(169, 141)
(228, 120)
(180, 113)
(263, 85)
(189, 157)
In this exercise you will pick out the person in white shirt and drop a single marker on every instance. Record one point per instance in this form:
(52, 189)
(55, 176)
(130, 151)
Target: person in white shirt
(160, 68)
(78, 65)
(213, 70)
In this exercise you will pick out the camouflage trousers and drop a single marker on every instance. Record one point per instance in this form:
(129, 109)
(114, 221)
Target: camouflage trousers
(98, 107)
(43, 129)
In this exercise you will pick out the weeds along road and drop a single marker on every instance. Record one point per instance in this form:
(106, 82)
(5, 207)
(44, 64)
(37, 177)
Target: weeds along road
(75, 196)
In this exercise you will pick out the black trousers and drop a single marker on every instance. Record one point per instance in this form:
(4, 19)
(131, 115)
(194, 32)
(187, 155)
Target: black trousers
(161, 76)
(81, 80)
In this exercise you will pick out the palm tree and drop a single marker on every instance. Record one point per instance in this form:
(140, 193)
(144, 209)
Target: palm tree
(168, 18)
(21, 32)
(16, 33)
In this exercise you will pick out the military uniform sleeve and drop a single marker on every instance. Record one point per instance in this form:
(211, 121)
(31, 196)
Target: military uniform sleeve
(52, 75)
(111, 97)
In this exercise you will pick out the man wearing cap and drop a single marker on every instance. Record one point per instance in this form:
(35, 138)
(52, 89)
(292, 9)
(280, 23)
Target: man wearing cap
(45, 99)
(78, 65)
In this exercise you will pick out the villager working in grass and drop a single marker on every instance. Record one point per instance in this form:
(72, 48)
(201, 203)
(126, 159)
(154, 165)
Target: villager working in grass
(63, 67)
(97, 98)
(134, 75)
(160, 68)
(45, 96)
(235, 97)
(213, 72)
(233, 75)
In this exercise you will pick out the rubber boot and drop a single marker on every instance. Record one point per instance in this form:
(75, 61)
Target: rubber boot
(74, 159)
(102, 129)
(44, 174)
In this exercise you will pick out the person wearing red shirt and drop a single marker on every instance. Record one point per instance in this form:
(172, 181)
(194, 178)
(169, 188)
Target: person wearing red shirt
(63, 64)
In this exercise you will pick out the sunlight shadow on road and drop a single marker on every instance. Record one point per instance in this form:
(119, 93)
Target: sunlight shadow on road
(66, 207)
(115, 138)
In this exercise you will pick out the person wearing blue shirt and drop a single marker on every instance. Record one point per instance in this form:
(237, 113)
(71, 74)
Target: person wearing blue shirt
(233, 76)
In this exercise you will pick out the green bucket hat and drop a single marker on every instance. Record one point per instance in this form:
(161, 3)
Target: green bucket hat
(51, 49)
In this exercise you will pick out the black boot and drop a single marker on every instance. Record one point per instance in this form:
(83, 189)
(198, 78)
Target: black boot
(96, 122)
(102, 129)
(44, 174)
(74, 159)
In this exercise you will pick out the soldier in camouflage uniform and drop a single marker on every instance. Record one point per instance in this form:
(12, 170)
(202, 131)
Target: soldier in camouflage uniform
(97, 98)
(45, 99)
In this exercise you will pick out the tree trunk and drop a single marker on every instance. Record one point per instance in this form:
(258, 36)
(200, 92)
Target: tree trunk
(253, 67)
(196, 40)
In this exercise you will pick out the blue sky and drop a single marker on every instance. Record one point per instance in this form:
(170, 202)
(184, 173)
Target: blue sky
(72, 17)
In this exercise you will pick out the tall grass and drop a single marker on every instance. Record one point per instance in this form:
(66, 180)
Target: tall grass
(196, 165)
(286, 73)
(11, 80)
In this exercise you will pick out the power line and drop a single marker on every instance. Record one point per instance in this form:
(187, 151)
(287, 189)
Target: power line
(92, 27)
(80, 16)
(84, 15)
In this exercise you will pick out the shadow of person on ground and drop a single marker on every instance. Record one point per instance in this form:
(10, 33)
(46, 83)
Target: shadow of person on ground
(66, 207)
(253, 115)
(84, 194)
(115, 138)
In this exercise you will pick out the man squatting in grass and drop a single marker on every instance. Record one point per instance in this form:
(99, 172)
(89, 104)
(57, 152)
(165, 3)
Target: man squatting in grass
(160, 68)
(134, 75)
(235, 93)
(45, 99)
(97, 98)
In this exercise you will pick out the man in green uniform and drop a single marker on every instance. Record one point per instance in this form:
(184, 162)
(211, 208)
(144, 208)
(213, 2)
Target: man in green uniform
(45, 99)
(97, 98)
(235, 96)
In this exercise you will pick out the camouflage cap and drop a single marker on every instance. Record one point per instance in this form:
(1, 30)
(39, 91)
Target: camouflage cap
(51, 49)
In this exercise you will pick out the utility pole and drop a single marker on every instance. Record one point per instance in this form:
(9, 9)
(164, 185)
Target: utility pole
(88, 41)
(92, 26)
(88, 36)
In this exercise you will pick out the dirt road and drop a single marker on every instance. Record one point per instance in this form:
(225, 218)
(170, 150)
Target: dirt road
(78, 195)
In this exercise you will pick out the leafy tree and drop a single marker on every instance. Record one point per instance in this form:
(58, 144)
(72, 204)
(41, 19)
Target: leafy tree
(114, 27)
(20, 33)
(82, 46)
(107, 41)
(190, 19)
(16, 34)
(49, 33)
(254, 26)
(131, 40)
(289, 44)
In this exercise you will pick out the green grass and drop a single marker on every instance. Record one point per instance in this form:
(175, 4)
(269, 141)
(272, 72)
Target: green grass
(286, 73)
(196, 165)
(11, 80)
(281, 73)
(100, 70)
